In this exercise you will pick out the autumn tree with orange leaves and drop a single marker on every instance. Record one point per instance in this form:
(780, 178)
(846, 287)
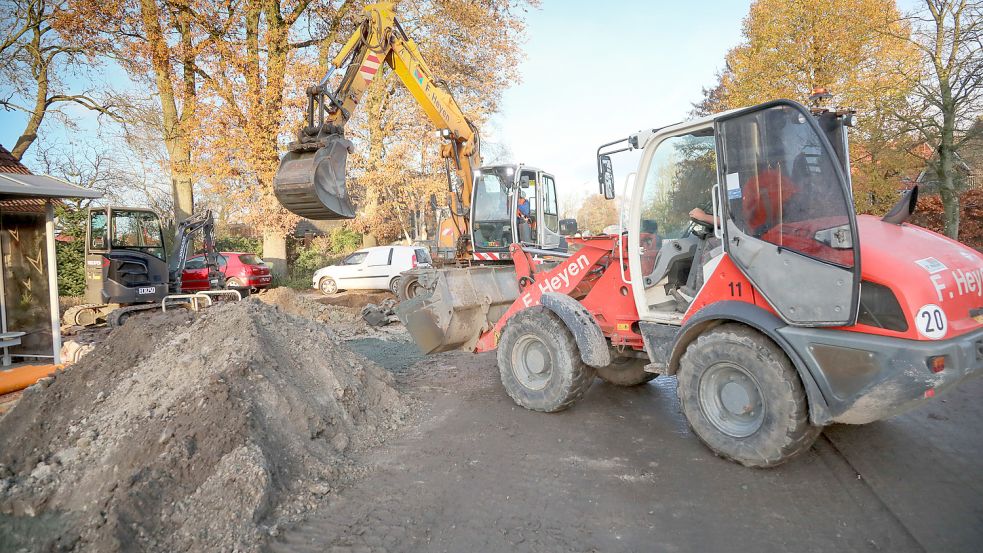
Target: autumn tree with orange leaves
(855, 49)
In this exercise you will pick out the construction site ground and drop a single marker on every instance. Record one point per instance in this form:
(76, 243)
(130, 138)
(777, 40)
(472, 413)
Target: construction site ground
(621, 471)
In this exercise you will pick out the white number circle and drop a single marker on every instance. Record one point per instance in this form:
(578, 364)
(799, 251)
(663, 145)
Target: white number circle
(931, 322)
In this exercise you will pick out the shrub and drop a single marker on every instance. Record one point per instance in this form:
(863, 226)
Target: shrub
(239, 244)
(929, 215)
(343, 240)
(70, 254)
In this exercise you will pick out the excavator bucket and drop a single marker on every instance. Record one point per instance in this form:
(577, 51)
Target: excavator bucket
(457, 305)
(310, 181)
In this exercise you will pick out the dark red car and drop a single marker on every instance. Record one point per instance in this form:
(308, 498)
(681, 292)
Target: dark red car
(242, 270)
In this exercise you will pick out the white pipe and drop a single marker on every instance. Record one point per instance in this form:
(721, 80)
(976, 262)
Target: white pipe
(49, 238)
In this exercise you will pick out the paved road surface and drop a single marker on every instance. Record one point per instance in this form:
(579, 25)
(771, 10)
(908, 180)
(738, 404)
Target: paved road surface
(621, 472)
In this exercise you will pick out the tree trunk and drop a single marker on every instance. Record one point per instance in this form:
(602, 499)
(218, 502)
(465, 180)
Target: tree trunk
(175, 124)
(275, 252)
(946, 169)
(30, 133)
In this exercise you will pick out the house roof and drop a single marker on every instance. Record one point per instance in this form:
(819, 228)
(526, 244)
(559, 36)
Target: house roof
(16, 185)
(9, 164)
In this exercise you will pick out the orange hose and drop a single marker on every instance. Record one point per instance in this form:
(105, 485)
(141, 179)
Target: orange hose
(19, 378)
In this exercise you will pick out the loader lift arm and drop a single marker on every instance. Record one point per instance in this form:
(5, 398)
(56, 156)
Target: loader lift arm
(310, 180)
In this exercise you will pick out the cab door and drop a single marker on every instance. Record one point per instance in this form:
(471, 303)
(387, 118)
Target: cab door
(549, 227)
(788, 215)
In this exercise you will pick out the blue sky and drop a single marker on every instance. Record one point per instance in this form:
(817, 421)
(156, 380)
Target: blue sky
(597, 71)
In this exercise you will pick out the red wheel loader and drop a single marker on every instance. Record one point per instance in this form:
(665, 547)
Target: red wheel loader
(779, 313)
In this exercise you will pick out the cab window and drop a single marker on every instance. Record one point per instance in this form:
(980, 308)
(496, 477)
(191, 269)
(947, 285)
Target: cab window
(782, 186)
(530, 194)
(551, 215)
(682, 173)
(98, 236)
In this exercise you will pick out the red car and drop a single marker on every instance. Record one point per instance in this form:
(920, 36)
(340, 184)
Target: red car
(242, 271)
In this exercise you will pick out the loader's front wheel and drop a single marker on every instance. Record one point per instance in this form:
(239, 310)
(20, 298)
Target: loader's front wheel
(625, 371)
(539, 362)
(743, 398)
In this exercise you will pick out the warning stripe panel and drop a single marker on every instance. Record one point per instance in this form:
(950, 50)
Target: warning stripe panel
(369, 67)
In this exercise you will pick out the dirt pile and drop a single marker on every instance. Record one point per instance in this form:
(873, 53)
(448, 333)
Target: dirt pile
(343, 321)
(190, 433)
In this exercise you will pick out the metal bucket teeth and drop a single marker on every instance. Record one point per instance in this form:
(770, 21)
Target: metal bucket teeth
(311, 180)
(457, 306)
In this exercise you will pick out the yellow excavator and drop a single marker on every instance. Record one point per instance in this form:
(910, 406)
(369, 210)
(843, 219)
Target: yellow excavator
(490, 208)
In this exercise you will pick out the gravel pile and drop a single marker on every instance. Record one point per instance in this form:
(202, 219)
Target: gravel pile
(186, 432)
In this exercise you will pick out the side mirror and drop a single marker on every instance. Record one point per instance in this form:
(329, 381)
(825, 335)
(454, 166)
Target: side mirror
(605, 176)
(524, 181)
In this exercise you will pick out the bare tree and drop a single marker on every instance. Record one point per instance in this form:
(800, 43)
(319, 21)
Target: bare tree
(948, 97)
(35, 58)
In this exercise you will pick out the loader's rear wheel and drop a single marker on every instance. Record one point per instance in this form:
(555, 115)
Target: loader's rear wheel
(327, 286)
(625, 371)
(539, 362)
(743, 398)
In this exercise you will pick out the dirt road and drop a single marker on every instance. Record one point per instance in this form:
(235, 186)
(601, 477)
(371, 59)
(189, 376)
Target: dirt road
(622, 472)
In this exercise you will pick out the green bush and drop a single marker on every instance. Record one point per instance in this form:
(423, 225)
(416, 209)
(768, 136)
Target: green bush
(240, 244)
(343, 240)
(309, 259)
(70, 255)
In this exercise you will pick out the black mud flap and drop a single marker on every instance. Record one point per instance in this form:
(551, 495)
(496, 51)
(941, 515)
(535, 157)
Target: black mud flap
(590, 340)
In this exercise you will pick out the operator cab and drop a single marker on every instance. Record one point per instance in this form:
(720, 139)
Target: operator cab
(777, 201)
(125, 261)
(514, 203)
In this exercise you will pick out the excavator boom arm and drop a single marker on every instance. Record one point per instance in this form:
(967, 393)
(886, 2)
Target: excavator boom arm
(310, 181)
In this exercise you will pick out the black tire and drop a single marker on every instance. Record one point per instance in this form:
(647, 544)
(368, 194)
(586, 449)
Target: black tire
(409, 286)
(327, 286)
(731, 368)
(626, 371)
(564, 377)
(394, 285)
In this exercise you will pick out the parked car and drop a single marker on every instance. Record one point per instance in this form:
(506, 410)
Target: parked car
(375, 268)
(243, 271)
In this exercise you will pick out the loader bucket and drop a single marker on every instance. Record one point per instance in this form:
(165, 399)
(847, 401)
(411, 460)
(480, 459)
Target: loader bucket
(310, 181)
(457, 306)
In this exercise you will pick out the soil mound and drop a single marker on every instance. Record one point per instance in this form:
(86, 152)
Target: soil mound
(189, 432)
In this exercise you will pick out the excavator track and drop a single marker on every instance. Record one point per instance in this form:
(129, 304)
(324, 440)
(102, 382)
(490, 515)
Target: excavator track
(70, 317)
(117, 317)
(87, 314)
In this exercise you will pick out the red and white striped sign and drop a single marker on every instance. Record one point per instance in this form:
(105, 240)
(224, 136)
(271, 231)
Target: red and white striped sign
(487, 256)
(369, 67)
